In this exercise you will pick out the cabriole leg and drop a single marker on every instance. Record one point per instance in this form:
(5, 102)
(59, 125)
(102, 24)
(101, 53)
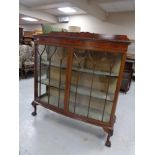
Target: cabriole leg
(108, 142)
(34, 113)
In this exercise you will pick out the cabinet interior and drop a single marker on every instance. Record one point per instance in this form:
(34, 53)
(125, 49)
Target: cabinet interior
(93, 82)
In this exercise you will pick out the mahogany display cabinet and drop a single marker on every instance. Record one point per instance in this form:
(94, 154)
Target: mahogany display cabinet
(79, 75)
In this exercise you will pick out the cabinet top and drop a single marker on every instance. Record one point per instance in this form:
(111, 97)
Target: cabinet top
(86, 36)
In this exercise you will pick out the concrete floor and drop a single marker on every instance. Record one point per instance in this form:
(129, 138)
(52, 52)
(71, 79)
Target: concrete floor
(50, 133)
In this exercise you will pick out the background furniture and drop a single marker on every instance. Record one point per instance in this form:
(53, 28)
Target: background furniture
(20, 35)
(47, 28)
(28, 37)
(128, 73)
(79, 75)
(74, 29)
(26, 59)
(27, 40)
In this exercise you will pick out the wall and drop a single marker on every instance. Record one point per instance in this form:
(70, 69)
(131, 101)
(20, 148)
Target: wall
(116, 23)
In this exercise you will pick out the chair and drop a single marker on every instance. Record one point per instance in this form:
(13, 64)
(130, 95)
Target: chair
(26, 59)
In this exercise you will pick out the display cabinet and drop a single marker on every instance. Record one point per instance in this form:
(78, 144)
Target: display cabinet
(79, 75)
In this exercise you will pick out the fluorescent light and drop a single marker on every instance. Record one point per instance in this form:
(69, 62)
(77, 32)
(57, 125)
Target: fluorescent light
(29, 19)
(67, 10)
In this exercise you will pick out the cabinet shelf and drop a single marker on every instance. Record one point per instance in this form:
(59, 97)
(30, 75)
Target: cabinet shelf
(83, 70)
(80, 90)
(53, 83)
(53, 100)
(80, 109)
(93, 112)
(95, 93)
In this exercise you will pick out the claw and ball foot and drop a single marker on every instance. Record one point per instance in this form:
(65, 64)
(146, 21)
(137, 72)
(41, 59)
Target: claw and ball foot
(34, 113)
(110, 133)
(108, 143)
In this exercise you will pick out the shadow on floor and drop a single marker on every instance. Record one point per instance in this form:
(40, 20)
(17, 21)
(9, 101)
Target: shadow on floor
(74, 124)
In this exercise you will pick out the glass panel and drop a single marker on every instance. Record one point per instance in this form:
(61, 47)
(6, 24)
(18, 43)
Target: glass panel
(52, 62)
(42, 90)
(93, 83)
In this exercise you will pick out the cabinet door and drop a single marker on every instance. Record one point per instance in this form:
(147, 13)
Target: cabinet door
(93, 83)
(51, 73)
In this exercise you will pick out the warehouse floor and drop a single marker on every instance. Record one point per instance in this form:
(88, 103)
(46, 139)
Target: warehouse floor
(50, 133)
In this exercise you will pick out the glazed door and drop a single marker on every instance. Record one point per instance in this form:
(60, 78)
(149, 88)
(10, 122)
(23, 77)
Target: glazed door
(93, 83)
(51, 74)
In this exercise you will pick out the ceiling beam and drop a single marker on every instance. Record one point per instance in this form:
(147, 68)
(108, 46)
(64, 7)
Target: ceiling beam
(37, 14)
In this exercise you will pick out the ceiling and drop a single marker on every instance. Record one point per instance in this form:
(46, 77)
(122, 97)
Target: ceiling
(40, 21)
(97, 8)
(118, 5)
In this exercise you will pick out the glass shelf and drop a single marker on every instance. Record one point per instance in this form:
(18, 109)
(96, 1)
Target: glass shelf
(53, 100)
(80, 109)
(100, 73)
(83, 70)
(53, 64)
(53, 83)
(80, 90)
(95, 93)
(93, 112)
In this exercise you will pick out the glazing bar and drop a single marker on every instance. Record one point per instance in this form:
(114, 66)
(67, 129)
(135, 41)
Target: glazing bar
(43, 51)
(59, 82)
(49, 75)
(77, 81)
(40, 78)
(105, 101)
(40, 70)
(91, 89)
(49, 78)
